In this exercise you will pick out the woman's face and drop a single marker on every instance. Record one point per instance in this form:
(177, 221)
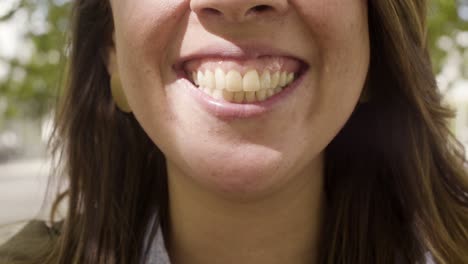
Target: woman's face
(204, 78)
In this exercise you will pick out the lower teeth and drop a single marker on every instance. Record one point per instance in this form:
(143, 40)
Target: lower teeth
(241, 97)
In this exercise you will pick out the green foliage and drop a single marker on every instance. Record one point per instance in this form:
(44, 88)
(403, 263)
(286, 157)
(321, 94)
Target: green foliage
(30, 87)
(445, 22)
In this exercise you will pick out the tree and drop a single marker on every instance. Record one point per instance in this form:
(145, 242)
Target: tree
(448, 36)
(31, 83)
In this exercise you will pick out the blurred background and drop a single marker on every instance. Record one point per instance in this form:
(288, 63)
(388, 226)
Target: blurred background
(32, 43)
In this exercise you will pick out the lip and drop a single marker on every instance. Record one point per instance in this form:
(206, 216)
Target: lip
(234, 53)
(226, 110)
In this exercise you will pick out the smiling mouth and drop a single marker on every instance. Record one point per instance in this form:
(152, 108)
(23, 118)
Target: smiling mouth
(243, 81)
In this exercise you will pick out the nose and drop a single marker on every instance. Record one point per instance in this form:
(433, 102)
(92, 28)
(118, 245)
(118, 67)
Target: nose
(238, 10)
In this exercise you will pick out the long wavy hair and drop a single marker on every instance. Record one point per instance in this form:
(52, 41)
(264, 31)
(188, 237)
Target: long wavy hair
(396, 179)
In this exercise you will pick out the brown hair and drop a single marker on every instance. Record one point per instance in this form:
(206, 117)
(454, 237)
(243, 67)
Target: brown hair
(396, 183)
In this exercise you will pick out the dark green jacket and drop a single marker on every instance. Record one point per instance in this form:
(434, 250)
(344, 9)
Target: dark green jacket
(28, 244)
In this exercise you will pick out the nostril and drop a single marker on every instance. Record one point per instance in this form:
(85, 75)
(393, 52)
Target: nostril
(212, 11)
(238, 11)
(261, 8)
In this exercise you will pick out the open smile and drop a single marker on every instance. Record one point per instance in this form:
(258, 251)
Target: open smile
(240, 86)
(243, 82)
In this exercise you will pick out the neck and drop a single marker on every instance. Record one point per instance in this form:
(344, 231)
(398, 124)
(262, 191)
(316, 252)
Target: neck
(282, 227)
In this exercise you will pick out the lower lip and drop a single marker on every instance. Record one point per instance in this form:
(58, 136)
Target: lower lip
(228, 111)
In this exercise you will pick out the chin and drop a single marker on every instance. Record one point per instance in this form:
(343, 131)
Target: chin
(245, 182)
(240, 175)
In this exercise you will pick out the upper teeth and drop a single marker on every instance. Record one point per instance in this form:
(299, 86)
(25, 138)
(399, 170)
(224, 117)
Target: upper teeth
(233, 81)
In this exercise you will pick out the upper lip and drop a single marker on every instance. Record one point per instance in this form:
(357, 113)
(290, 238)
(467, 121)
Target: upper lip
(234, 52)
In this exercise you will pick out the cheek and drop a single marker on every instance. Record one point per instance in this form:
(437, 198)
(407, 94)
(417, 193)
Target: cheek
(139, 24)
(340, 30)
(335, 24)
(145, 31)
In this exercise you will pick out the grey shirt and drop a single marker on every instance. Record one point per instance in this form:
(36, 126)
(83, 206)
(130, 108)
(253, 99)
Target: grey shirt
(36, 234)
(157, 253)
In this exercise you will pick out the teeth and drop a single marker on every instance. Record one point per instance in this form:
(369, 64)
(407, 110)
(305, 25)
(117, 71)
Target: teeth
(265, 80)
(290, 78)
(210, 80)
(283, 79)
(251, 81)
(270, 92)
(250, 97)
(233, 81)
(220, 79)
(217, 93)
(207, 90)
(228, 96)
(275, 80)
(261, 95)
(238, 97)
(234, 87)
(195, 78)
(201, 79)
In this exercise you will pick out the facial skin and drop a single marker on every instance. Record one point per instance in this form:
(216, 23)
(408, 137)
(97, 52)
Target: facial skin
(234, 180)
(245, 156)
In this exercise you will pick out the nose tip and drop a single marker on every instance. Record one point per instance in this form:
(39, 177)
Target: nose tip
(238, 10)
